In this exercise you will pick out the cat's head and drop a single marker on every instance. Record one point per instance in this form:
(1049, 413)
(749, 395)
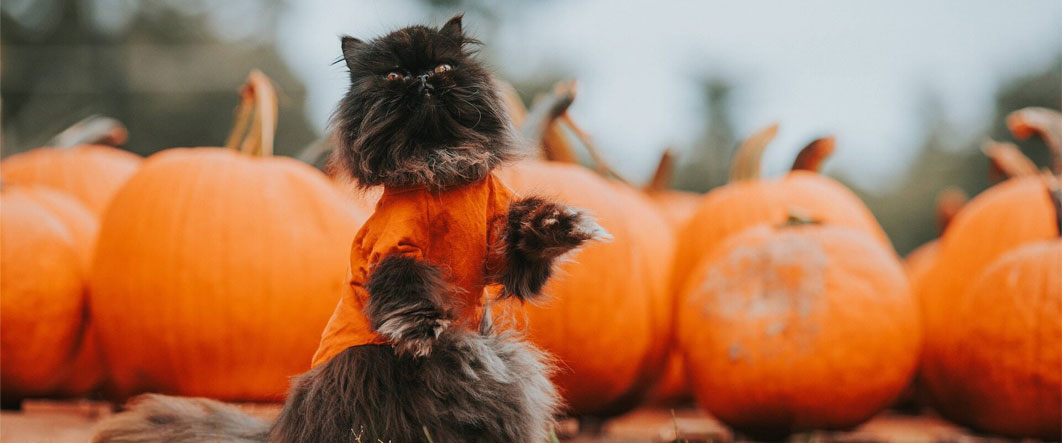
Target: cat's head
(421, 111)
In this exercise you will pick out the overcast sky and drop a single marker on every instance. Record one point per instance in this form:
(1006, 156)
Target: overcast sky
(855, 69)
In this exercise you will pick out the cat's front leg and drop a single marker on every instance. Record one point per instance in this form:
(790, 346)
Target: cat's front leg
(407, 303)
(537, 232)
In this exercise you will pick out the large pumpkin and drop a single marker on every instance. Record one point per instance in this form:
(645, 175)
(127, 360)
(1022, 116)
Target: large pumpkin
(46, 241)
(789, 328)
(1005, 359)
(92, 173)
(748, 200)
(216, 270)
(607, 316)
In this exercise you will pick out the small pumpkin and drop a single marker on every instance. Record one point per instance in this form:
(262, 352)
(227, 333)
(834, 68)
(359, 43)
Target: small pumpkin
(216, 269)
(46, 241)
(91, 173)
(797, 327)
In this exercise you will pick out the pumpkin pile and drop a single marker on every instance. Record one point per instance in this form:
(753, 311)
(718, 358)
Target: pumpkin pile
(777, 304)
(50, 201)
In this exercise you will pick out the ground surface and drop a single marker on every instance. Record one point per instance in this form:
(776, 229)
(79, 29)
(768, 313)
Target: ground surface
(72, 421)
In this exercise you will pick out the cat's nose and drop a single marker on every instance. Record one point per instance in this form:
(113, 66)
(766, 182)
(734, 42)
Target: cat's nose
(424, 87)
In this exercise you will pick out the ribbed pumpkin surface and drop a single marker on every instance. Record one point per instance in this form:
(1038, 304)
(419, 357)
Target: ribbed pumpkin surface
(215, 273)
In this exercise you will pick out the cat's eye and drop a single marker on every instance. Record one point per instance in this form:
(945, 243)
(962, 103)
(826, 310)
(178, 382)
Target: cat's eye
(394, 75)
(443, 67)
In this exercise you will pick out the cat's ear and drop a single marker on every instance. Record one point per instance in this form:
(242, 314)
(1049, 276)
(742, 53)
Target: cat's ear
(350, 47)
(452, 28)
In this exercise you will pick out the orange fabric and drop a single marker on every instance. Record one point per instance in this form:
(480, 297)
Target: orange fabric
(452, 229)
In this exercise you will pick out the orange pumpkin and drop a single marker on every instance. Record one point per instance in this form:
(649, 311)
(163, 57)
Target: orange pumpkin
(748, 200)
(1005, 359)
(216, 270)
(608, 315)
(607, 318)
(798, 327)
(1007, 216)
(46, 241)
(91, 173)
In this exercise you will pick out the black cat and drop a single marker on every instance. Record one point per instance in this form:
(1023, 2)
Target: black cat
(421, 115)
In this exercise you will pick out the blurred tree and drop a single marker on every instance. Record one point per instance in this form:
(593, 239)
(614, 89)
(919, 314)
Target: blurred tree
(707, 162)
(160, 67)
(906, 211)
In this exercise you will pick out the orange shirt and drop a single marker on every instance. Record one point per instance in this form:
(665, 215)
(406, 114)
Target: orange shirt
(452, 229)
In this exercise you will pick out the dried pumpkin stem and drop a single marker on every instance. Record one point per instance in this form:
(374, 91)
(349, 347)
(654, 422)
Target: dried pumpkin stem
(665, 170)
(600, 165)
(256, 117)
(1008, 160)
(541, 117)
(949, 202)
(92, 130)
(746, 162)
(1046, 123)
(814, 154)
(1054, 192)
(796, 218)
(514, 106)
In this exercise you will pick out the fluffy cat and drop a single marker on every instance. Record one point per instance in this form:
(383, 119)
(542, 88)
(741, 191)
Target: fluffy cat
(409, 351)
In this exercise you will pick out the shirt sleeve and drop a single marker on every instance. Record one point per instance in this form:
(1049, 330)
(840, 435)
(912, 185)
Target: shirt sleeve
(500, 199)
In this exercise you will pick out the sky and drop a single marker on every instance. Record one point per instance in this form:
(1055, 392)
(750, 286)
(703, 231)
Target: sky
(858, 70)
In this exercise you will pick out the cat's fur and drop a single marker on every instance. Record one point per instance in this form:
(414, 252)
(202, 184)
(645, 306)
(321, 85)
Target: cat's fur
(437, 131)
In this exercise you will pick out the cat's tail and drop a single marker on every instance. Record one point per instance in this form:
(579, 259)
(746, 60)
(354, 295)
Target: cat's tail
(155, 418)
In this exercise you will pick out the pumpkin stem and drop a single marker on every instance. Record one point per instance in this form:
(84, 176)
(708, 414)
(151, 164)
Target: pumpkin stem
(539, 123)
(1054, 191)
(1007, 160)
(312, 153)
(1047, 123)
(600, 165)
(797, 218)
(514, 106)
(949, 202)
(92, 130)
(813, 155)
(256, 117)
(664, 171)
(544, 124)
(746, 162)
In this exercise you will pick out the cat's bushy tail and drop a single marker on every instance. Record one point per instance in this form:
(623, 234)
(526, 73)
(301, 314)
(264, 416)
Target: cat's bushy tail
(153, 418)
